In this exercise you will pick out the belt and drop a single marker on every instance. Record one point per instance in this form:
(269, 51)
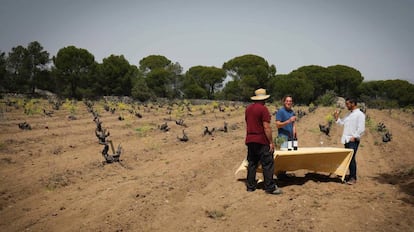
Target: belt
(255, 133)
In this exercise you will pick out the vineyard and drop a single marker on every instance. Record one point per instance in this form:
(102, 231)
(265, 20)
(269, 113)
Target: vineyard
(169, 166)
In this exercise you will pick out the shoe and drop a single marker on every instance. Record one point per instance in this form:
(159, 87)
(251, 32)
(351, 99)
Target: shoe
(351, 181)
(282, 175)
(277, 191)
(251, 190)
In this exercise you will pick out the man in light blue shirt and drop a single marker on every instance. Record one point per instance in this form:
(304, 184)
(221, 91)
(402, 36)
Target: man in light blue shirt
(285, 121)
(354, 127)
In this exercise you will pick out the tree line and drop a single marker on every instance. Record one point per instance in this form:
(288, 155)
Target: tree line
(74, 73)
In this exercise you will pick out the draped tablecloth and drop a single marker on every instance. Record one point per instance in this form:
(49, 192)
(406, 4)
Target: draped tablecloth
(318, 159)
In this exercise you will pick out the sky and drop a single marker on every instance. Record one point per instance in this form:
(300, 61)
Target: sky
(373, 36)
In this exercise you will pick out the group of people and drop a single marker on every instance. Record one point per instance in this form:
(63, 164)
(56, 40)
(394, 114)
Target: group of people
(260, 144)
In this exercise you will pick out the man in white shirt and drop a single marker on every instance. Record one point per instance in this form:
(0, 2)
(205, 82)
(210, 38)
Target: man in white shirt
(354, 127)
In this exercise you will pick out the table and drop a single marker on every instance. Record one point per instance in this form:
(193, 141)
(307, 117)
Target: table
(319, 159)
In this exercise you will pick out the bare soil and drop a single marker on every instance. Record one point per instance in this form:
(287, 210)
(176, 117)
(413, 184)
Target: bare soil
(52, 177)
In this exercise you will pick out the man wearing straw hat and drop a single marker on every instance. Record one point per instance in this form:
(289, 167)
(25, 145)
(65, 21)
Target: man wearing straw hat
(260, 146)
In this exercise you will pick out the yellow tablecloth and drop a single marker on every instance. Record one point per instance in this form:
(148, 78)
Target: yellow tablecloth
(319, 159)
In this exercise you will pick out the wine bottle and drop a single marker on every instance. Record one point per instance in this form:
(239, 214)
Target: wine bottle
(289, 145)
(295, 143)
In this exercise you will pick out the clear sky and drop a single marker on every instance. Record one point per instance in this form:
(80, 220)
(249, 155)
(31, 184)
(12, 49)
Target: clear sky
(373, 36)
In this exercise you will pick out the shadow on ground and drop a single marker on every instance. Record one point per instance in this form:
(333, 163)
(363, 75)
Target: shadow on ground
(284, 180)
(403, 179)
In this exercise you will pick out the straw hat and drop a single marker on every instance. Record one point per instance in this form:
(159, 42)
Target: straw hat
(260, 95)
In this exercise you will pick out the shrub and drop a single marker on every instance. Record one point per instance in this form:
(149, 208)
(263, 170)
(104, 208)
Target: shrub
(328, 99)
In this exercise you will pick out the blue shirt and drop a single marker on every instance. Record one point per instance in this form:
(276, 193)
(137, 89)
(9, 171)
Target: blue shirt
(282, 115)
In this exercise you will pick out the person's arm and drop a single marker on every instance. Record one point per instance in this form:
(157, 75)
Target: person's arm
(280, 124)
(338, 120)
(294, 131)
(268, 133)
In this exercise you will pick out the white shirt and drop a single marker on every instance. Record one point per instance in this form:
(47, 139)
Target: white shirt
(354, 125)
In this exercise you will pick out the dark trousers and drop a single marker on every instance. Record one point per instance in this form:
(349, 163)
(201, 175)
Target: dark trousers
(255, 153)
(353, 165)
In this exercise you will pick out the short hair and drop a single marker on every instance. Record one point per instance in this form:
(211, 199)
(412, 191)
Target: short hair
(286, 96)
(351, 100)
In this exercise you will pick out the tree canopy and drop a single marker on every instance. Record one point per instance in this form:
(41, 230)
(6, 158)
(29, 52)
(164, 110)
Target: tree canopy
(73, 70)
(74, 73)
(115, 76)
(292, 84)
(207, 78)
(249, 72)
(161, 75)
(24, 66)
(152, 62)
(347, 79)
(321, 78)
(383, 93)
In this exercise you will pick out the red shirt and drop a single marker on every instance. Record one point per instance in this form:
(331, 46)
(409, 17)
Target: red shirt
(255, 115)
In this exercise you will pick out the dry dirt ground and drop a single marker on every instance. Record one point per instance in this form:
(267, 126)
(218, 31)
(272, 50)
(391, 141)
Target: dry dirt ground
(52, 177)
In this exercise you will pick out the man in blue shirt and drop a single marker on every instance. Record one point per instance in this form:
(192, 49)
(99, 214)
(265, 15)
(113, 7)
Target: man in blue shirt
(285, 121)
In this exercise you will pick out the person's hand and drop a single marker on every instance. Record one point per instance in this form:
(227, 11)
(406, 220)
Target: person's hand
(336, 114)
(292, 119)
(271, 147)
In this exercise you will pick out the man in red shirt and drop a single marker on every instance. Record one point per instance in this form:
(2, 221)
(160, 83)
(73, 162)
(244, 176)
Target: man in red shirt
(260, 146)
